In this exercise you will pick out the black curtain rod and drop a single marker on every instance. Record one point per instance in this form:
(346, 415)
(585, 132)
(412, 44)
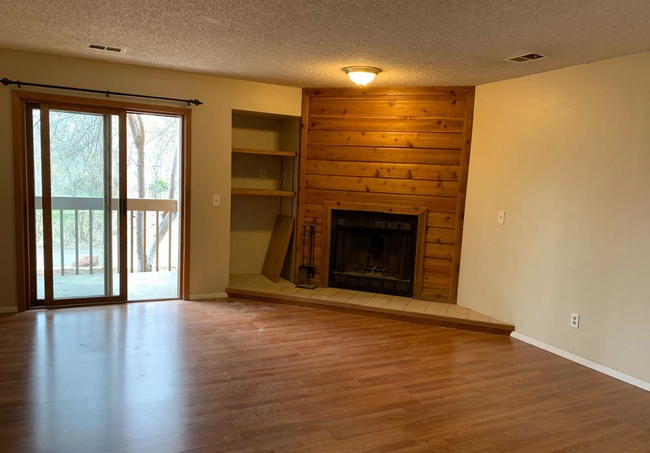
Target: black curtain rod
(7, 82)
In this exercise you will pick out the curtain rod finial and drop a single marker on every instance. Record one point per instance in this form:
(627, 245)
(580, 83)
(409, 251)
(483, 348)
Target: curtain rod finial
(5, 81)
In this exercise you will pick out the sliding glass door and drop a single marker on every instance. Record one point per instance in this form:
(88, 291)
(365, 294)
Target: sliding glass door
(78, 204)
(153, 188)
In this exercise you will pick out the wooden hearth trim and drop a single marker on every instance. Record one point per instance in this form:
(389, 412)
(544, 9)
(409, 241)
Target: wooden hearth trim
(422, 213)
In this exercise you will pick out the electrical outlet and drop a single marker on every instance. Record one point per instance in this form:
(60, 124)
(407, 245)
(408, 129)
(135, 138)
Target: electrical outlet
(575, 321)
(262, 174)
(216, 200)
(501, 217)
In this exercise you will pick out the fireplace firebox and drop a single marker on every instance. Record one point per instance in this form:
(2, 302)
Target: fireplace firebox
(373, 251)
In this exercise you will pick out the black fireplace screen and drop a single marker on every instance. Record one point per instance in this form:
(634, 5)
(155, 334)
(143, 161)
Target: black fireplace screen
(373, 251)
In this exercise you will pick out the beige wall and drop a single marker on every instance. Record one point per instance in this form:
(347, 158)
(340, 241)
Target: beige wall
(567, 155)
(211, 143)
(253, 217)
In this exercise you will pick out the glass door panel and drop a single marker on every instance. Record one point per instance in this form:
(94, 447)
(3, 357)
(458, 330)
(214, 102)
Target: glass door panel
(153, 177)
(78, 232)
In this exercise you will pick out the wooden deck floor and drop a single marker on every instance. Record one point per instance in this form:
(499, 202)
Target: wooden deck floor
(252, 377)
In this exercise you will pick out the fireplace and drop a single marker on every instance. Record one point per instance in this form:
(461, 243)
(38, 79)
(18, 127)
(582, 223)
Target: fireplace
(373, 251)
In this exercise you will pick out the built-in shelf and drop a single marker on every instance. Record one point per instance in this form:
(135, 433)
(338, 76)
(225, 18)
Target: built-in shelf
(263, 192)
(264, 151)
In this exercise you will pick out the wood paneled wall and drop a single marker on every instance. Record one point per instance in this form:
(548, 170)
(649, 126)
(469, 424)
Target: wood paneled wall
(390, 147)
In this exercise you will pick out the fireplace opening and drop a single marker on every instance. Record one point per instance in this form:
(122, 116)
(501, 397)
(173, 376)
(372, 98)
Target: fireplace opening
(373, 251)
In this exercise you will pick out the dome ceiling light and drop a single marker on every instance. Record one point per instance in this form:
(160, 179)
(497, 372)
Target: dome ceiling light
(361, 75)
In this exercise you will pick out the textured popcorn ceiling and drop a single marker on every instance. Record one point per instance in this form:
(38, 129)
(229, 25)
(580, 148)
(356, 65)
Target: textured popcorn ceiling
(307, 42)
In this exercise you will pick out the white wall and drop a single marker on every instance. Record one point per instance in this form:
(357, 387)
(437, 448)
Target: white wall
(211, 146)
(567, 155)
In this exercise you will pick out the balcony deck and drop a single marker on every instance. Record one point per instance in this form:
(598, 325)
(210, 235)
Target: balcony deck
(142, 285)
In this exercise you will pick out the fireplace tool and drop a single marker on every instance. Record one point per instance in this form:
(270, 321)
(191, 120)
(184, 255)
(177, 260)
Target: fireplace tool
(307, 271)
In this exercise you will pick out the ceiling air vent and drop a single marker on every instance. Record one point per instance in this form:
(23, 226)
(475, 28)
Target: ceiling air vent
(527, 57)
(107, 48)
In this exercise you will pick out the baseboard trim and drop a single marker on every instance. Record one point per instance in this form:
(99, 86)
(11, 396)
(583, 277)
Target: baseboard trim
(584, 362)
(8, 310)
(208, 296)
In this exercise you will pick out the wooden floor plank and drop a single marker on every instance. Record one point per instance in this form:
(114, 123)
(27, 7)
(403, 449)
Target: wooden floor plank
(254, 377)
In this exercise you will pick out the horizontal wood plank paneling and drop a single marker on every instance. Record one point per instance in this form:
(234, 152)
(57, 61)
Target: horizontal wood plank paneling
(445, 251)
(437, 266)
(438, 204)
(314, 210)
(384, 139)
(390, 147)
(441, 220)
(440, 106)
(385, 155)
(378, 185)
(318, 223)
(435, 294)
(367, 92)
(440, 236)
(388, 124)
(436, 281)
(381, 170)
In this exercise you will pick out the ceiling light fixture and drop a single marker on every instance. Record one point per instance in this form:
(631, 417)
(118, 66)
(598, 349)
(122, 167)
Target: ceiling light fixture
(361, 75)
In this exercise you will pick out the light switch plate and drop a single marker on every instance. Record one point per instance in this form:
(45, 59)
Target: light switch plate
(501, 217)
(216, 200)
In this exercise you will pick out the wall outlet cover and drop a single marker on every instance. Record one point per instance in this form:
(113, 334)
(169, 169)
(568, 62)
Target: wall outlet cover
(216, 200)
(262, 174)
(575, 320)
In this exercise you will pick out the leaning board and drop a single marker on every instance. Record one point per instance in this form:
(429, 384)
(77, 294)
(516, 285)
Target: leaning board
(278, 246)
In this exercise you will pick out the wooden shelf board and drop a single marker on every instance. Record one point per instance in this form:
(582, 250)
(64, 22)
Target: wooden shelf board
(264, 151)
(263, 192)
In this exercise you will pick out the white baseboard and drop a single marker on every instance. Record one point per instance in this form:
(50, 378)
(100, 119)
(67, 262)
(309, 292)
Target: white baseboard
(584, 362)
(8, 309)
(208, 296)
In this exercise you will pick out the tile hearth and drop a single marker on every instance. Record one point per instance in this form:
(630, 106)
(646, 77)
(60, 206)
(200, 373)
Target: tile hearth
(252, 285)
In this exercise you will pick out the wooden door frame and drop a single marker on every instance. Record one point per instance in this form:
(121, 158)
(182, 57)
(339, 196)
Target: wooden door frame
(421, 213)
(20, 99)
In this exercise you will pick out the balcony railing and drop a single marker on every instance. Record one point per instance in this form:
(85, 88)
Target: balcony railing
(165, 211)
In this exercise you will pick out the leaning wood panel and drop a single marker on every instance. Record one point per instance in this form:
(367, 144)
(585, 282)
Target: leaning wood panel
(378, 185)
(385, 155)
(440, 106)
(383, 139)
(438, 204)
(387, 124)
(278, 246)
(382, 170)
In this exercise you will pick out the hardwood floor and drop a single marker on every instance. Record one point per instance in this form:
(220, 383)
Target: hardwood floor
(253, 377)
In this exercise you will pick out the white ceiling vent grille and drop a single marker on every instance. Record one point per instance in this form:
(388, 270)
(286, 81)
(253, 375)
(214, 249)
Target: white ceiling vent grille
(106, 48)
(526, 58)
